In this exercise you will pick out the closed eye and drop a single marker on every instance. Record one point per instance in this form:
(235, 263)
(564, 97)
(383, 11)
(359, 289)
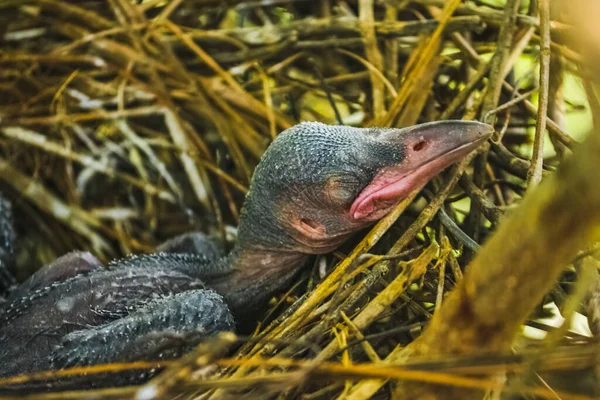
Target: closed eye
(341, 190)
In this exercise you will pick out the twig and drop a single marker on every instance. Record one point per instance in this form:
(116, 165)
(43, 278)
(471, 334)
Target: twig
(498, 71)
(534, 174)
(411, 271)
(367, 26)
(180, 139)
(532, 246)
(424, 58)
(455, 230)
(72, 216)
(40, 141)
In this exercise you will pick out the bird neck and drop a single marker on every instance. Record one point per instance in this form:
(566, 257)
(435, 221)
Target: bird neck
(255, 276)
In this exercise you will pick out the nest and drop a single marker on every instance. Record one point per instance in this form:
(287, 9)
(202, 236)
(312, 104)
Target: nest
(125, 123)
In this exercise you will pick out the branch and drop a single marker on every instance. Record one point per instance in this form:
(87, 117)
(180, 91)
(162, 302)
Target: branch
(515, 268)
(534, 174)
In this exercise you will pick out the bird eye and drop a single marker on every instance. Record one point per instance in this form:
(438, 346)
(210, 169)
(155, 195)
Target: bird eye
(341, 190)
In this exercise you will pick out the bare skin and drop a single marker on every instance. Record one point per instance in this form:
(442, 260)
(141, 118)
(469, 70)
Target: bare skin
(314, 187)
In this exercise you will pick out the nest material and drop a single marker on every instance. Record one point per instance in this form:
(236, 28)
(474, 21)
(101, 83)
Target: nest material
(123, 124)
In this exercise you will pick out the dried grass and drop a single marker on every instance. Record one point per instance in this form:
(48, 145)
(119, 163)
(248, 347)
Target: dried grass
(123, 124)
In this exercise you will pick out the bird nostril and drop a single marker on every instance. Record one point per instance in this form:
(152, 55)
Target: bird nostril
(419, 146)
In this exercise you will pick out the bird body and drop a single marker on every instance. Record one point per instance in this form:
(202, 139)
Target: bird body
(315, 186)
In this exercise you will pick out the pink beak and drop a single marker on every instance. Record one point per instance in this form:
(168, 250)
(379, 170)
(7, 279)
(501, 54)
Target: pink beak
(429, 149)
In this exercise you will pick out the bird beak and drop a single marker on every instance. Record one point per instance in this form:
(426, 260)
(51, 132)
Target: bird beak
(429, 149)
